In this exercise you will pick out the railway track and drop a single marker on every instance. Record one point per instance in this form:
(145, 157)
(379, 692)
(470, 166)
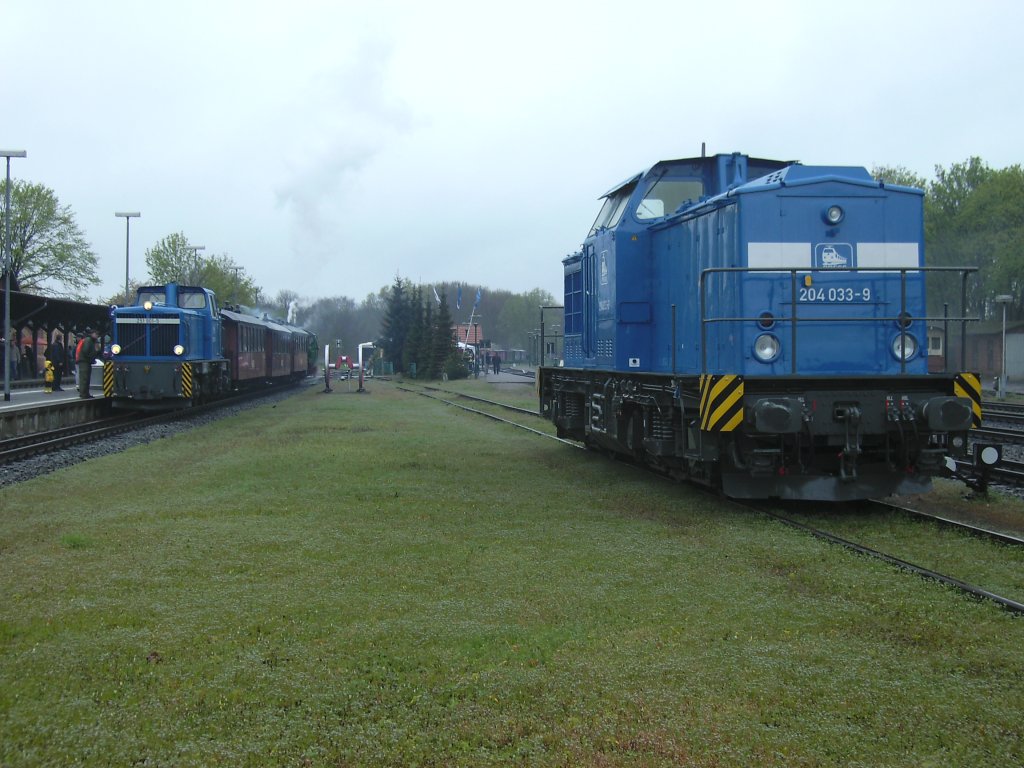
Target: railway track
(435, 394)
(506, 406)
(26, 446)
(974, 590)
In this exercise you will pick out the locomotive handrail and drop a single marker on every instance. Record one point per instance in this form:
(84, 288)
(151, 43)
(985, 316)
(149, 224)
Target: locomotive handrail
(795, 321)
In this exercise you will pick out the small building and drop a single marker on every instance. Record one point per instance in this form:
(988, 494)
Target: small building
(984, 351)
(469, 334)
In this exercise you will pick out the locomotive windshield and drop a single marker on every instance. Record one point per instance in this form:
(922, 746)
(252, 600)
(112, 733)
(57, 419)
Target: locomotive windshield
(612, 209)
(192, 300)
(667, 195)
(186, 299)
(157, 297)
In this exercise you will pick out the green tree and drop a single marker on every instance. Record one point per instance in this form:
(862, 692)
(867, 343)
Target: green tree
(410, 355)
(173, 260)
(953, 236)
(520, 315)
(899, 175)
(991, 226)
(49, 253)
(395, 328)
(425, 348)
(443, 341)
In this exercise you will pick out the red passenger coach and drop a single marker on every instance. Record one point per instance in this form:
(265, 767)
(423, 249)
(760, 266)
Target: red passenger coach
(279, 349)
(245, 346)
(260, 349)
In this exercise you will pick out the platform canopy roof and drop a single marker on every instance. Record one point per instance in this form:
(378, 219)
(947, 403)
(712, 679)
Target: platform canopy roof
(29, 311)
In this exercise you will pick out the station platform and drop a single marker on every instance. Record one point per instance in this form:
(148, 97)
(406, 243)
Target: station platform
(31, 409)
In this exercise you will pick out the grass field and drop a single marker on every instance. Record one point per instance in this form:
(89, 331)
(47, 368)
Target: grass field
(378, 579)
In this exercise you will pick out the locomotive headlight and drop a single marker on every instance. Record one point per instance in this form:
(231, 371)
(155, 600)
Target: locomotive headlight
(115, 349)
(147, 305)
(179, 350)
(904, 347)
(766, 347)
(833, 214)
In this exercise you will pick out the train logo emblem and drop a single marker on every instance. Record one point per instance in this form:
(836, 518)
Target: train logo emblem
(833, 256)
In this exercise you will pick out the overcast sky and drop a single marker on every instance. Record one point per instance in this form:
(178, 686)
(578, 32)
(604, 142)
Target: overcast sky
(328, 146)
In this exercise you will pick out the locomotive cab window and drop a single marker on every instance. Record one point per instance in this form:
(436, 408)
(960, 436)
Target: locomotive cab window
(667, 195)
(612, 209)
(192, 300)
(157, 297)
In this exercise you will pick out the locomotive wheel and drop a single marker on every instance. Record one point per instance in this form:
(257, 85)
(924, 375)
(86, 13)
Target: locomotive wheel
(634, 436)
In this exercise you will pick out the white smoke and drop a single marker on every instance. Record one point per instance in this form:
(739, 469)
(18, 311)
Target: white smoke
(293, 311)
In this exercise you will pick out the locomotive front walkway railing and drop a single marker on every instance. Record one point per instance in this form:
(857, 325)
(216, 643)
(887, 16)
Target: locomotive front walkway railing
(795, 320)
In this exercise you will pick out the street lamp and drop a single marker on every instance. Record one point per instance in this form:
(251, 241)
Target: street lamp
(8, 266)
(194, 277)
(127, 223)
(1003, 299)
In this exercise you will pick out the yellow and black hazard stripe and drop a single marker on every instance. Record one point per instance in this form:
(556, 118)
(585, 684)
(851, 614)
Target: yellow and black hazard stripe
(186, 380)
(969, 385)
(721, 402)
(108, 379)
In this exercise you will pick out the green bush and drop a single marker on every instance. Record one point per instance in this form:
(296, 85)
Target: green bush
(455, 367)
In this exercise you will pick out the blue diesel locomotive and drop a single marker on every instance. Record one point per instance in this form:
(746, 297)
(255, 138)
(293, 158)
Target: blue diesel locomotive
(759, 326)
(175, 347)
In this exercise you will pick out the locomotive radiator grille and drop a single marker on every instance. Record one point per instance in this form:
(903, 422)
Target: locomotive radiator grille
(721, 402)
(969, 385)
(143, 335)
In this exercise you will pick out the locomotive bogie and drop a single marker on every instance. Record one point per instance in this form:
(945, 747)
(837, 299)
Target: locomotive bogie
(757, 438)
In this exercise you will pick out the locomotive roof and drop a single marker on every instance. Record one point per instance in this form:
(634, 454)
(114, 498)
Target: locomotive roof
(691, 161)
(800, 175)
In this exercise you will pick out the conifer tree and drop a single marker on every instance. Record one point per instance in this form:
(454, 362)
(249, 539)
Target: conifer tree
(395, 329)
(444, 342)
(426, 341)
(411, 353)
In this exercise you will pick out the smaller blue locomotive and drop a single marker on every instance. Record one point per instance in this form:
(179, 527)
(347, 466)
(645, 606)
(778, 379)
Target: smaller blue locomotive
(175, 347)
(759, 326)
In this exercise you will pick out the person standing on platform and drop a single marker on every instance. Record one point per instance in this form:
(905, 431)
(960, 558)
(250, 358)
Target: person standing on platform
(12, 356)
(87, 351)
(57, 356)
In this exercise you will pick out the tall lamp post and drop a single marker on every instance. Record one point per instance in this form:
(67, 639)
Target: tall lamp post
(127, 223)
(8, 266)
(1003, 299)
(194, 277)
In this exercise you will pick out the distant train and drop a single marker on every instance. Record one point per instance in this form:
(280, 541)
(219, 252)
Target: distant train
(175, 347)
(759, 326)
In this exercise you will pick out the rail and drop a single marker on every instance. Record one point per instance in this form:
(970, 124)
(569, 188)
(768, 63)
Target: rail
(795, 320)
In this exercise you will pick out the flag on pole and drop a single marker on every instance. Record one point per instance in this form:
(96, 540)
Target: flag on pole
(458, 298)
(477, 302)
